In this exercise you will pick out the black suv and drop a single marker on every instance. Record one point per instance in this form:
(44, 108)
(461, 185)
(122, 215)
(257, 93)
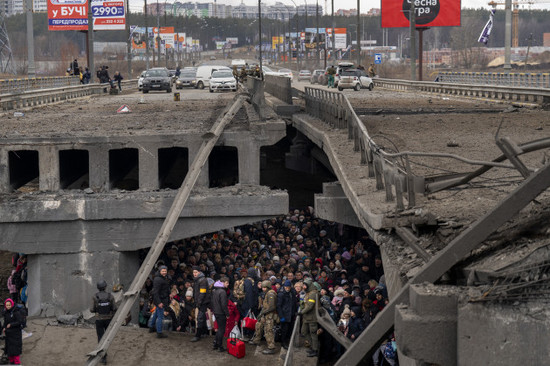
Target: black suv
(157, 79)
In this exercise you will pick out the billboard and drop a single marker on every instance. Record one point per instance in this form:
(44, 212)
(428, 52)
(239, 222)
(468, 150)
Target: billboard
(73, 15)
(429, 13)
(340, 38)
(108, 15)
(67, 15)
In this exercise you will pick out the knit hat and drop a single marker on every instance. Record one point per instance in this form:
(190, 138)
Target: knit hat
(189, 292)
(346, 311)
(288, 283)
(196, 268)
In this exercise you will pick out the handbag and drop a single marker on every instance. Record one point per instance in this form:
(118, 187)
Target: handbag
(235, 347)
(249, 321)
(236, 332)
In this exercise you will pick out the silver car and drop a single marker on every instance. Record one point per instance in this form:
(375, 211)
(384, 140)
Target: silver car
(222, 80)
(354, 79)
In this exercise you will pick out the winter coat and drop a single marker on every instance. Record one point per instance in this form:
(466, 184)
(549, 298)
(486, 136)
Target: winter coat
(161, 290)
(355, 327)
(201, 292)
(286, 305)
(219, 300)
(250, 295)
(233, 317)
(14, 337)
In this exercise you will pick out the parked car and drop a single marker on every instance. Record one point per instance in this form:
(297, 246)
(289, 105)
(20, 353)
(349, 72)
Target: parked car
(304, 75)
(204, 73)
(339, 69)
(157, 79)
(140, 80)
(186, 78)
(317, 76)
(287, 73)
(354, 79)
(222, 80)
(269, 71)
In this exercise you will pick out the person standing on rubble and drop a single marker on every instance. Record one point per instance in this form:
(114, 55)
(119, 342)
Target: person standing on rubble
(103, 304)
(161, 299)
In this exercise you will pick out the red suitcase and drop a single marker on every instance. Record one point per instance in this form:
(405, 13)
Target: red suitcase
(236, 347)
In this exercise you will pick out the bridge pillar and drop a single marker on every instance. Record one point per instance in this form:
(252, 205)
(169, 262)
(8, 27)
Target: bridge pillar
(48, 165)
(249, 162)
(64, 283)
(4, 172)
(99, 168)
(148, 167)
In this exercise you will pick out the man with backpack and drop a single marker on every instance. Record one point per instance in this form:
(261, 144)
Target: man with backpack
(104, 306)
(202, 296)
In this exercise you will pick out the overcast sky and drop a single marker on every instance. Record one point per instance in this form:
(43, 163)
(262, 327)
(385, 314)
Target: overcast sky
(366, 5)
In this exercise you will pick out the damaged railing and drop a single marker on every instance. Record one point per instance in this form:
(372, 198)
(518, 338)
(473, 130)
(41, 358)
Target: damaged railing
(392, 170)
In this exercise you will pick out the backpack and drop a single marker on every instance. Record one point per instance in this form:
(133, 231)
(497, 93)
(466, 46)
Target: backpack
(104, 305)
(238, 290)
(389, 351)
(23, 312)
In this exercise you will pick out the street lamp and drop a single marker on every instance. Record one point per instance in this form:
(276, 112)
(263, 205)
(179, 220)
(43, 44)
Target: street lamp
(297, 36)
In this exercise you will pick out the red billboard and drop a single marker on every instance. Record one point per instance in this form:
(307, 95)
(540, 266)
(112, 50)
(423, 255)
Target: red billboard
(429, 13)
(67, 15)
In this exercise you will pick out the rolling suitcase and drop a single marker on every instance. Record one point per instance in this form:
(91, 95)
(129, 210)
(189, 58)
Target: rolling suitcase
(235, 347)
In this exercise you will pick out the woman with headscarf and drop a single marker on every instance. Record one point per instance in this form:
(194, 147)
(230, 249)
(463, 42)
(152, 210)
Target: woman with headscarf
(12, 331)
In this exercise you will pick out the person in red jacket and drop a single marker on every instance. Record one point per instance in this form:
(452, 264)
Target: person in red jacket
(234, 315)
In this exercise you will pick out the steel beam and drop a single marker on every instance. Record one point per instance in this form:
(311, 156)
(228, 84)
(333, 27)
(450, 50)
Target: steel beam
(455, 251)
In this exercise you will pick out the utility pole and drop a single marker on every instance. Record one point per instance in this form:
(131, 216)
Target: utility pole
(91, 65)
(129, 56)
(146, 38)
(260, 35)
(508, 35)
(317, 38)
(158, 34)
(333, 56)
(30, 40)
(412, 21)
(358, 34)
(305, 39)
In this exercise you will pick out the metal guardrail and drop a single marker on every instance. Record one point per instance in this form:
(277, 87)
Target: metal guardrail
(532, 80)
(294, 343)
(335, 109)
(24, 84)
(280, 87)
(531, 95)
(33, 98)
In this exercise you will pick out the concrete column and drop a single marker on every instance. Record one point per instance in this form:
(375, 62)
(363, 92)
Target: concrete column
(203, 180)
(249, 162)
(148, 167)
(64, 283)
(99, 168)
(4, 172)
(48, 164)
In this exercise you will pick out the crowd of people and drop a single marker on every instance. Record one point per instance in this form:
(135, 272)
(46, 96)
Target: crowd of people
(273, 271)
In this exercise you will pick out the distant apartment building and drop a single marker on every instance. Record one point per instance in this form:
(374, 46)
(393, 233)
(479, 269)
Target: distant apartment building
(278, 10)
(12, 7)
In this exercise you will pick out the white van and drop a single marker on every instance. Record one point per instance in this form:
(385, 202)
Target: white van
(204, 73)
(239, 63)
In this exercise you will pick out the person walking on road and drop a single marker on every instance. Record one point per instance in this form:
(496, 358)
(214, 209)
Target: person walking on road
(118, 78)
(331, 72)
(221, 311)
(161, 299)
(103, 304)
(202, 302)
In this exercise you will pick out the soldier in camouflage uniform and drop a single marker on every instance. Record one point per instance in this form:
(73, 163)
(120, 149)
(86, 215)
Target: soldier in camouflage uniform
(309, 318)
(267, 319)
